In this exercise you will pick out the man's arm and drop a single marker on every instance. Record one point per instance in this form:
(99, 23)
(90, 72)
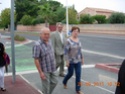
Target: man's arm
(36, 61)
(36, 53)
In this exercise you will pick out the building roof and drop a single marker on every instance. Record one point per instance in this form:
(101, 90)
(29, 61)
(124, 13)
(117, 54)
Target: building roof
(97, 10)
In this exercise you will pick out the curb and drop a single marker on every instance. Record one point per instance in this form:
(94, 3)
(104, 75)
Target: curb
(109, 67)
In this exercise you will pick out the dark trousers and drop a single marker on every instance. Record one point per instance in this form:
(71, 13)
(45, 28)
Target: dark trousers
(60, 63)
(71, 68)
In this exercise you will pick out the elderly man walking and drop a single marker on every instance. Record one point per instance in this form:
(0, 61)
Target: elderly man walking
(44, 60)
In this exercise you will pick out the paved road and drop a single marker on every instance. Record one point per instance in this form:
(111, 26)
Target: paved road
(105, 44)
(96, 50)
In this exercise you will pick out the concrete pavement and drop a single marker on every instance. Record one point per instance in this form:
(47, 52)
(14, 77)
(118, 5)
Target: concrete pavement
(94, 80)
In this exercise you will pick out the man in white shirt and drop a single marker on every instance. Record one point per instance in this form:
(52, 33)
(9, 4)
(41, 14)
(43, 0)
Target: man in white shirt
(58, 39)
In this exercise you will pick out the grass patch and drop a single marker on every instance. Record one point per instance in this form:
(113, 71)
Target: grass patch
(19, 38)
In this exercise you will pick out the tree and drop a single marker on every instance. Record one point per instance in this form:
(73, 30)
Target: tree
(117, 17)
(49, 11)
(58, 10)
(26, 7)
(46, 12)
(37, 20)
(72, 15)
(86, 19)
(100, 18)
(61, 14)
(5, 18)
(26, 20)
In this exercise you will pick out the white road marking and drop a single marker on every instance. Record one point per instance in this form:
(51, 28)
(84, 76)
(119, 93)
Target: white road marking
(21, 73)
(98, 86)
(30, 84)
(88, 66)
(18, 45)
(83, 66)
(7, 42)
(103, 54)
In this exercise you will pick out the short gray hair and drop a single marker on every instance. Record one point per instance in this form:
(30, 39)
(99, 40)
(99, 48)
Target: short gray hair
(58, 23)
(44, 29)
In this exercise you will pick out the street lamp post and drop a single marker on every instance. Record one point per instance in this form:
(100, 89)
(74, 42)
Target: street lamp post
(67, 18)
(12, 41)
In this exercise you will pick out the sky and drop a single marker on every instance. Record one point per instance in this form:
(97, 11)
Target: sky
(116, 5)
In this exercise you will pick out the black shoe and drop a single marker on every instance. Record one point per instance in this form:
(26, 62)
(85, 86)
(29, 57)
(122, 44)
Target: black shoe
(3, 89)
(62, 75)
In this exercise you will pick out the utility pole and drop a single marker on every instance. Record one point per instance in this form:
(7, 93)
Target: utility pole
(12, 41)
(67, 18)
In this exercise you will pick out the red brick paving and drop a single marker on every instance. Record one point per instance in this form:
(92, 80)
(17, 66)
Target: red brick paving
(19, 87)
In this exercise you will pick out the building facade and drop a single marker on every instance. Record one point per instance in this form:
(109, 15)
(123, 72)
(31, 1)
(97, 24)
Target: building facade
(96, 11)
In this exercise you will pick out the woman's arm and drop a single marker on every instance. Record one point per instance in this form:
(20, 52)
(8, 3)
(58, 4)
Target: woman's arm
(66, 52)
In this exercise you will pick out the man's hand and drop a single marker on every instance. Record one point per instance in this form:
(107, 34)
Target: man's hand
(43, 77)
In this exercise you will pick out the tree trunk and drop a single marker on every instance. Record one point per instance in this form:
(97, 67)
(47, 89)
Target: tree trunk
(46, 23)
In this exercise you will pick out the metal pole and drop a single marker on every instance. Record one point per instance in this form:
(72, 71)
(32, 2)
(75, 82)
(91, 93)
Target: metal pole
(12, 41)
(67, 18)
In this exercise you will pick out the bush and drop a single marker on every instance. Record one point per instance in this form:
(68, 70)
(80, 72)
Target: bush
(26, 20)
(37, 20)
(19, 38)
(117, 17)
(100, 18)
(86, 19)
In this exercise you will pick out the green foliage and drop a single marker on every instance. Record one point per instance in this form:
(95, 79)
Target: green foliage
(86, 19)
(50, 11)
(37, 20)
(46, 12)
(72, 15)
(26, 20)
(117, 17)
(5, 17)
(100, 18)
(26, 7)
(60, 14)
(19, 38)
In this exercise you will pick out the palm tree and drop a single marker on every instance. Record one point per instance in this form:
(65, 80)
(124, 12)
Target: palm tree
(46, 12)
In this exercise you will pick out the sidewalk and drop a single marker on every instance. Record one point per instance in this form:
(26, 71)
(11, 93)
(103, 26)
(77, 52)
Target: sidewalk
(19, 87)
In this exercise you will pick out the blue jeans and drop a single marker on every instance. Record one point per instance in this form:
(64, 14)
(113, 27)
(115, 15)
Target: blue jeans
(71, 68)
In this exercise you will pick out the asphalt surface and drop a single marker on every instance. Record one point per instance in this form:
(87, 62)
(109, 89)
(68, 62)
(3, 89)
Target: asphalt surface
(95, 81)
(96, 49)
(104, 44)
